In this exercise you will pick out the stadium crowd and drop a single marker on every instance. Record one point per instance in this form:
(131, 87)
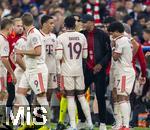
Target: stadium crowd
(102, 79)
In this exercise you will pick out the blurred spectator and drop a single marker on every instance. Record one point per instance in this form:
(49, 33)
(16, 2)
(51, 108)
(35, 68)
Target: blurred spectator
(6, 8)
(129, 6)
(25, 5)
(138, 26)
(146, 36)
(121, 12)
(16, 12)
(35, 12)
(128, 20)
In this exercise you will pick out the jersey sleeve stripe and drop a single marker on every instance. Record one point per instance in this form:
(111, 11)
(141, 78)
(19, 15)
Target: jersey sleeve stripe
(85, 48)
(41, 82)
(37, 46)
(58, 49)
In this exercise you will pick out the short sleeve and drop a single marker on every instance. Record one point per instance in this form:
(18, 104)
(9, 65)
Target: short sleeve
(35, 40)
(85, 51)
(59, 49)
(5, 49)
(119, 47)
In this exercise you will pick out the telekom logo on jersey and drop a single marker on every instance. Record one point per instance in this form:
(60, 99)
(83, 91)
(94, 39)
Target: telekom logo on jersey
(25, 112)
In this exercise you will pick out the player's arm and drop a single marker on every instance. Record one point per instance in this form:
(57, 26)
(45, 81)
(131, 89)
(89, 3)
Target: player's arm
(117, 51)
(33, 52)
(135, 46)
(85, 51)
(4, 58)
(20, 62)
(7, 65)
(37, 47)
(59, 50)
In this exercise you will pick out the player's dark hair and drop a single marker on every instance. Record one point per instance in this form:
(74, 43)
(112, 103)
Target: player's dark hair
(5, 22)
(27, 19)
(116, 27)
(45, 18)
(70, 22)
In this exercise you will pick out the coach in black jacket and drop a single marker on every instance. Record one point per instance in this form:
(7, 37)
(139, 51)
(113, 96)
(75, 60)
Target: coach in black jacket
(99, 55)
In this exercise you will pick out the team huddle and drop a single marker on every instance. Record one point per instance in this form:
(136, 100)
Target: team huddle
(44, 62)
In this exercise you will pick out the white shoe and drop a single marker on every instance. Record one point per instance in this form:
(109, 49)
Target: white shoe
(82, 125)
(102, 126)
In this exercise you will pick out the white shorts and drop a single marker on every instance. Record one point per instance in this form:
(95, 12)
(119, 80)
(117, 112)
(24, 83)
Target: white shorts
(3, 80)
(124, 84)
(73, 83)
(52, 81)
(37, 81)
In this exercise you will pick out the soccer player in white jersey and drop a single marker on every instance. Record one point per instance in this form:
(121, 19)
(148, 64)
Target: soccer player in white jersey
(47, 23)
(36, 74)
(124, 71)
(72, 47)
(6, 28)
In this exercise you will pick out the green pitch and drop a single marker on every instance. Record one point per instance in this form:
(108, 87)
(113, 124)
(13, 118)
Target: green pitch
(108, 128)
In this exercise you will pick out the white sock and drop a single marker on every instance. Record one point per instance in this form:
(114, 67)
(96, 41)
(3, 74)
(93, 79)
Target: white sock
(43, 102)
(86, 109)
(72, 111)
(125, 111)
(129, 109)
(117, 114)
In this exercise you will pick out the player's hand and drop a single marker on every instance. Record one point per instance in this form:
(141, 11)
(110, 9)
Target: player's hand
(17, 51)
(147, 54)
(14, 80)
(142, 80)
(97, 68)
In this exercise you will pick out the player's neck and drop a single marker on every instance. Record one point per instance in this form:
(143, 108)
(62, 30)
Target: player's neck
(28, 28)
(45, 30)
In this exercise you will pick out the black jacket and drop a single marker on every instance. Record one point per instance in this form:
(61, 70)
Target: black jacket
(102, 49)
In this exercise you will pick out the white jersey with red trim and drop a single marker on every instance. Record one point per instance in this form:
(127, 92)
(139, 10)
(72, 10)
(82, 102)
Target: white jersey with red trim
(4, 51)
(124, 63)
(50, 43)
(71, 48)
(21, 45)
(34, 39)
